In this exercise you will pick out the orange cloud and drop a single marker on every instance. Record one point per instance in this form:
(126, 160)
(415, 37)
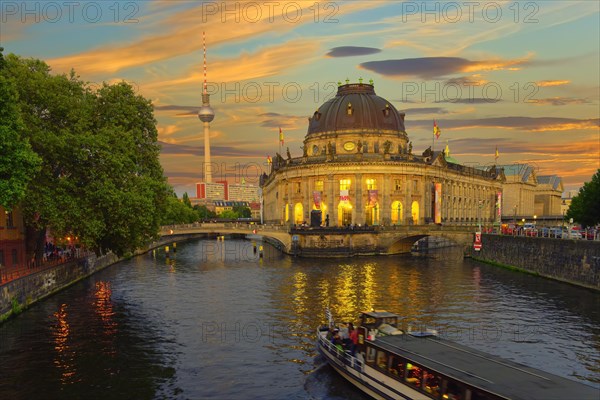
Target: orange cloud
(183, 33)
(552, 83)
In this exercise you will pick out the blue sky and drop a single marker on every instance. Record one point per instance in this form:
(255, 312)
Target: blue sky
(522, 76)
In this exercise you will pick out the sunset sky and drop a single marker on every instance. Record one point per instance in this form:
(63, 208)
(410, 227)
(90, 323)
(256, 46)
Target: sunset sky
(522, 76)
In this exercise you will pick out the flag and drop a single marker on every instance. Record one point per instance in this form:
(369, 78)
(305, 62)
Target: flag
(269, 160)
(436, 130)
(497, 154)
(280, 136)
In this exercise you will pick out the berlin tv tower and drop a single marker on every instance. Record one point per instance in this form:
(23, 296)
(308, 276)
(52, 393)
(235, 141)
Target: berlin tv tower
(206, 115)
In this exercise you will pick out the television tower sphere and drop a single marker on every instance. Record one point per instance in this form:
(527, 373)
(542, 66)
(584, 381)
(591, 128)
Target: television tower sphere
(206, 113)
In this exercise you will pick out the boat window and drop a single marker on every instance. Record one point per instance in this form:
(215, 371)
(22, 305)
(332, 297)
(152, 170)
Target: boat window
(431, 383)
(451, 391)
(413, 375)
(371, 354)
(396, 366)
(382, 360)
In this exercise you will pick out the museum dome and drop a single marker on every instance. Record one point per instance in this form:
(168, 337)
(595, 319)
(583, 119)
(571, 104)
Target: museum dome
(356, 107)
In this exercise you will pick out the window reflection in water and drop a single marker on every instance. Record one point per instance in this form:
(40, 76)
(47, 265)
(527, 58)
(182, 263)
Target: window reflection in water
(104, 309)
(65, 356)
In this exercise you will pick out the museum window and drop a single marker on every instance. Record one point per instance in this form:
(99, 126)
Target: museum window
(319, 186)
(415, 185)
(298, 186)
(344, 184)
(1, 258)
(397, 184)
(371, 184)
(349, 109)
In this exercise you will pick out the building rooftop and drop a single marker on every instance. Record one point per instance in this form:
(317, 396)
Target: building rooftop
(356, 106)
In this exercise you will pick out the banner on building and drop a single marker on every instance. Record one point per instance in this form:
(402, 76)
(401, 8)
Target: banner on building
(344, 196)
(499, 207)
(438, 203)
(373, 198)
(317, 199)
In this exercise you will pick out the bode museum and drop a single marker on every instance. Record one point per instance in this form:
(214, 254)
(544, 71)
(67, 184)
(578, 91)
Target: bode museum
(358, 168)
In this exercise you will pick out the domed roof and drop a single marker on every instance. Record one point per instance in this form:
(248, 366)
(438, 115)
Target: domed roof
(356, 106)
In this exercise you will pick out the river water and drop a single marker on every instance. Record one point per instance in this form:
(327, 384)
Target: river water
(216, 321)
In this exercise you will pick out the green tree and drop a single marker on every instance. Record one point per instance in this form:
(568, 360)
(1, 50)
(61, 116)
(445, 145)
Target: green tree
(18, 162)
(101, 178)
(242, 211)
(204, 212)
(178, 213)
(585, 207)
(186, 200)
(229, 214)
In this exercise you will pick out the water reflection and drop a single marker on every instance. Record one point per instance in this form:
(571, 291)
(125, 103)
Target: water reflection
(224, 323)
(64, 358)
(103, 307)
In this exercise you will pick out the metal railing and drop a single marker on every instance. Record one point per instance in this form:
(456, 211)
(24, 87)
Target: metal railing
(10, 273)
(342, 355)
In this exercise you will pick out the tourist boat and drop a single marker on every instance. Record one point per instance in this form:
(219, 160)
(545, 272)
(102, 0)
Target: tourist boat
(391, 364)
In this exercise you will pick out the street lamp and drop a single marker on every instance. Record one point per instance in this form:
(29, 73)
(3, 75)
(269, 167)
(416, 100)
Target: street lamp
(479, 214)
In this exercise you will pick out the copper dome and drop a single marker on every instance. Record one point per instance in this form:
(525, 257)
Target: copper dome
(357, 107)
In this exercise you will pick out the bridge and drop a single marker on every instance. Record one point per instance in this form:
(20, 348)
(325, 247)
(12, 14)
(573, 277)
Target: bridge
(331, 241)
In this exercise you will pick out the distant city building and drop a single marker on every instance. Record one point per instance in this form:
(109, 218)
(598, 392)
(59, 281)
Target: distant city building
(566, 199)
(548, 195)
(210, 191)
(242, 193)
(222, 205)
(527, 195)
(518, 191)
(222, 190)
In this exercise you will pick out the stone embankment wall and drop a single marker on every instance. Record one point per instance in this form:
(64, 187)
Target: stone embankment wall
(19, 294)
(573, 261)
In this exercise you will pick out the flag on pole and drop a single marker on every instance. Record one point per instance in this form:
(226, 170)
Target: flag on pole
(280, 136)
(497, 154)
(269, 160)
(436, 130)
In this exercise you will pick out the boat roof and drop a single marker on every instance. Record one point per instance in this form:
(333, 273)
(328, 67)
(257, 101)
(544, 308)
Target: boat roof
(502, 377)
(380, 314)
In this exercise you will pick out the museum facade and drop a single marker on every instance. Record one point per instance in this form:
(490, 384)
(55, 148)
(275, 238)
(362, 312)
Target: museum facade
(358, 168)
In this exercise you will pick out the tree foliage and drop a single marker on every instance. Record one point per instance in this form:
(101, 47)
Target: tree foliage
(179, 212)
(100, 179)
(242, 211)
(585, 207)
(18, 162)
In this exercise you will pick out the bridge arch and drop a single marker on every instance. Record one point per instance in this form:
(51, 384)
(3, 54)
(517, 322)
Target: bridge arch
(404, 244)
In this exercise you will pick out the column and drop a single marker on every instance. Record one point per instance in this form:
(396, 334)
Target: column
(358, 212)
(334, 198)
(385, 213)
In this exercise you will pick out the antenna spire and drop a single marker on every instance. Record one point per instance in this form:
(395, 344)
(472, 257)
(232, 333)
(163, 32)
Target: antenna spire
(204, 91)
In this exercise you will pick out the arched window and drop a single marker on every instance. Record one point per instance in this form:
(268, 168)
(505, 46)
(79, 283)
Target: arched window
(415, 212)
(397, 213)
(298, 214)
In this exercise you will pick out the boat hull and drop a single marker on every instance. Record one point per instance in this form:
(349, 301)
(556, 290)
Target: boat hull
(365, 378)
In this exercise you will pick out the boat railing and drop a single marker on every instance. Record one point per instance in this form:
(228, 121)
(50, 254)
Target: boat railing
(342, 355)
